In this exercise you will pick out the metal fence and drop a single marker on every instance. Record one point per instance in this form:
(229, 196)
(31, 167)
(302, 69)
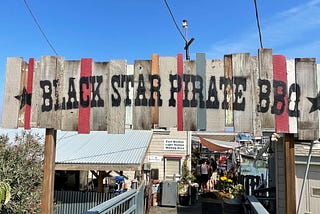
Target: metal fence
(130, 202)
(76, 202)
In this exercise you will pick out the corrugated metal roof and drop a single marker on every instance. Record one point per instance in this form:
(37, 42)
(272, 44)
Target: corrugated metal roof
(99, 147)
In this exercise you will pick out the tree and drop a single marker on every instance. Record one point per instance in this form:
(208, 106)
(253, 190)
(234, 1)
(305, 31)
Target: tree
(21, 166)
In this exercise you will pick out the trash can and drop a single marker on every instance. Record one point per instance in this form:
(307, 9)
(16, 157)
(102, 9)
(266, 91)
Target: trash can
(169, 193)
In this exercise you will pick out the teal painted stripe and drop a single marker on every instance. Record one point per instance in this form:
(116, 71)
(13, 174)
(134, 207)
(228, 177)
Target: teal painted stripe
(201, 73)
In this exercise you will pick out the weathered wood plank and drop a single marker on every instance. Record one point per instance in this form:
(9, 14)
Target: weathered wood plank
(129, 94)
(69, 82)
(227, 103)
(60, 72)
(141, 95)
(50, 75)
(256, 118)
(11, 105)
(36, 96)
(308, 122)
(243, 100)
(292, 90)
(27, 113)
(189, 108)
(168, 111)
(156, 84)
(100, 100)
(116, 115)
(266, 90)
(85, 88)
(280, 105)
(23, 93)
(215, 114)
(189, 111)
(180, 93)
(201, 86)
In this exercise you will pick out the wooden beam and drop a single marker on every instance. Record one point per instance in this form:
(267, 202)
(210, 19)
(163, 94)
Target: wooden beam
(94, 173)
(100, 167)
(290, 173)
(49, 169)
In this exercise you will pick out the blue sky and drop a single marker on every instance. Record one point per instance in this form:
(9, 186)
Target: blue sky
(105, 30)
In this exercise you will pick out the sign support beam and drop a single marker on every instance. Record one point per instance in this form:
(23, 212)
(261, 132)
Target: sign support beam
(49, 169)
(290, 173)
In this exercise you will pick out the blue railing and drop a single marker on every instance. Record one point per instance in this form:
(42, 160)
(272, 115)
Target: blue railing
(131, 201)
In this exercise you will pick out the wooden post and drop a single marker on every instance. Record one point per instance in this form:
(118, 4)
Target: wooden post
(290, 173)
(48, 178)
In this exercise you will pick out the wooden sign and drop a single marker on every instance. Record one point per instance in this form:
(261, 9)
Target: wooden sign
(240, 92)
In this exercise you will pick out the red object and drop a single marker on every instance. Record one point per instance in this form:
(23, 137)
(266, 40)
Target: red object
(180, 94)
(222, 158)
(280, 94)
(172, 156)
(84, 111)
(27, 113)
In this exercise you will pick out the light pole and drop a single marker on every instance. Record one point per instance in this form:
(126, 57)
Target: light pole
(188, 42)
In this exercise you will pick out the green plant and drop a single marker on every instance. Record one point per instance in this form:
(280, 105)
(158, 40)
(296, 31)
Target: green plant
(237, 190)
(225, 184)
(5, 194)
(186, 177)
(21, 167)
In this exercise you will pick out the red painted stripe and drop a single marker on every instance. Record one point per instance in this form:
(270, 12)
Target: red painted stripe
(180, 94)
(27, 113)
(280, 74)
(84, 111)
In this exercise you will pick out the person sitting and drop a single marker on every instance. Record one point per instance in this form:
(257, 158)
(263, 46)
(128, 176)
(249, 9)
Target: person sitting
(120, 181)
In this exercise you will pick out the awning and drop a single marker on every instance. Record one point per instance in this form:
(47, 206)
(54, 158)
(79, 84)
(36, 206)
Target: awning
(217, 145)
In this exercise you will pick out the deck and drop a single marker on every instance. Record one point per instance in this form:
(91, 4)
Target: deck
(205, 204)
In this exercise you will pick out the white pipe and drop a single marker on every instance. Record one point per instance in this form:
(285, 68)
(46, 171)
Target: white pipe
(305, 177)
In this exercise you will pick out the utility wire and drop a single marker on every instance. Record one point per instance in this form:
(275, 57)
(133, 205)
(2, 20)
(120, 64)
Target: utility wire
(258, 23)
(38, 25)
(174, 20)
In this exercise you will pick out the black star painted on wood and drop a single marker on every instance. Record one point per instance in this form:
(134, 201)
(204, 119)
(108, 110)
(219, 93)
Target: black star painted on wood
(24, 98)
(315, 103)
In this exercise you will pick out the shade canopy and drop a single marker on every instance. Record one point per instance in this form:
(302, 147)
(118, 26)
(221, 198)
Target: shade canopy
(217, 145)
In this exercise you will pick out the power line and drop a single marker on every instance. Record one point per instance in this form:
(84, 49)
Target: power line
(174, 21)
(38, 25)
(258, 23)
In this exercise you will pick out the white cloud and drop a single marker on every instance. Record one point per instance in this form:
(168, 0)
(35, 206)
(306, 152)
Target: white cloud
(294, 31)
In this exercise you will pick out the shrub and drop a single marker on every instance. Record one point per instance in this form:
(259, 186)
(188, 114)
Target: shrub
(21, 164)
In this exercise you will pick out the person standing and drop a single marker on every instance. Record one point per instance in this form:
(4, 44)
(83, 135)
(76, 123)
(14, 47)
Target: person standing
(204, 175)
(213, 178)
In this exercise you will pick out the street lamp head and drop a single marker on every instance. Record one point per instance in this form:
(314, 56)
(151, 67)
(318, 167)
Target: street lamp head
(184, 24)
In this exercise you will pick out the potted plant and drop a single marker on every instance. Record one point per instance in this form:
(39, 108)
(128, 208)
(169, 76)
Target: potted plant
(184, 185)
